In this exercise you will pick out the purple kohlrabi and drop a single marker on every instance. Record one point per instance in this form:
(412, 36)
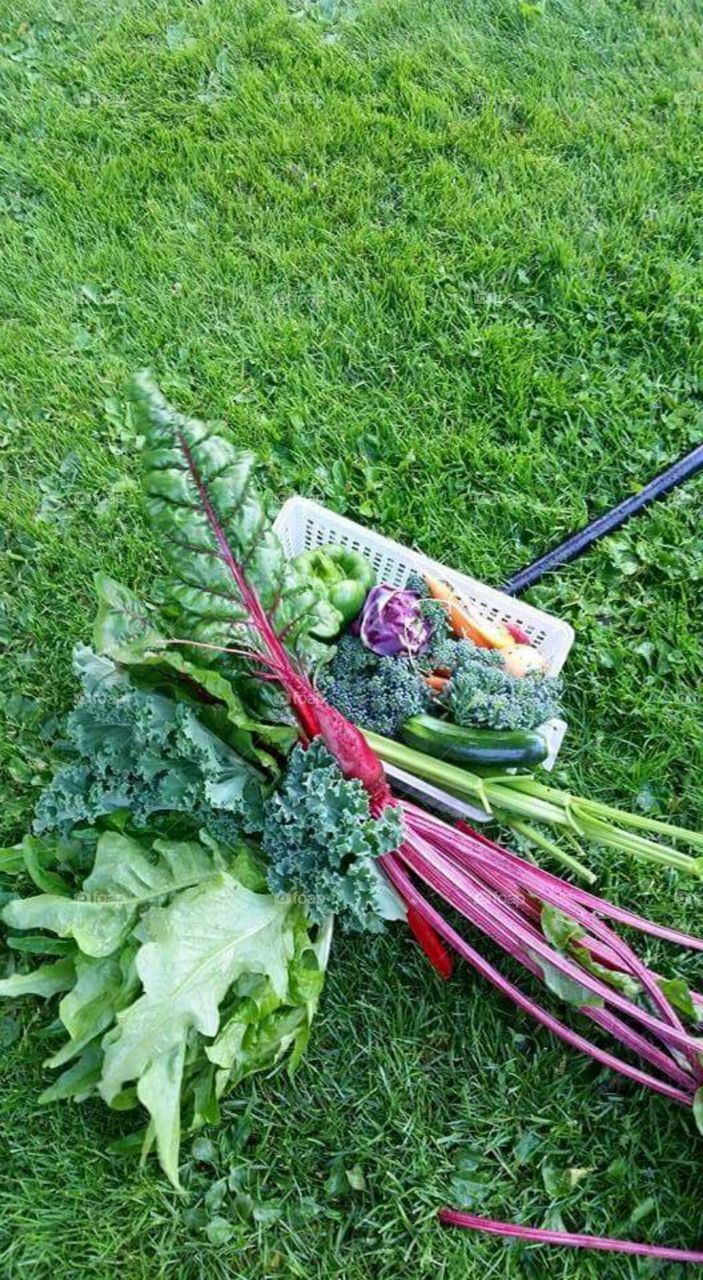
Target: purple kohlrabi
(392, 623)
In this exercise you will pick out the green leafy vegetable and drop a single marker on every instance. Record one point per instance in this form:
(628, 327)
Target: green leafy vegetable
(122, 881)
(125, 630)
(192, 951)
(186, 976)
(481, 692)
(565, 934)
(322, 842)
(568, 989)
(45, 981)
(196, 484)
(103, 985)
(141, 752)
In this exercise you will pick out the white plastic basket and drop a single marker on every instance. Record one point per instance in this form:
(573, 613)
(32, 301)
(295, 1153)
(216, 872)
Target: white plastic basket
(302, 524)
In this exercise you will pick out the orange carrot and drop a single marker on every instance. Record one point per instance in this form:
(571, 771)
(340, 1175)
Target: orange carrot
(486, 635)
(438, 683)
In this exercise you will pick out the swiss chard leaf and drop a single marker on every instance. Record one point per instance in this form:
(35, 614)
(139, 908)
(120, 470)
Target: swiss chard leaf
(559, 929)
(201, 499)
(567, 988)
(125, 628)
(678, 992)
(126, 631)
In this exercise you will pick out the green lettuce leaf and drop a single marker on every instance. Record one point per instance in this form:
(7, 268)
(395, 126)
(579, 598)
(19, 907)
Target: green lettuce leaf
(78, 1081)
(263, 1027)
(189, 977)
(103, 986)
(45, 981)
(192, 951)
(122, 881)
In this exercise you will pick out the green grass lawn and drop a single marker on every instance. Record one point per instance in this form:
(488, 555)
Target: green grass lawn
(441, 265)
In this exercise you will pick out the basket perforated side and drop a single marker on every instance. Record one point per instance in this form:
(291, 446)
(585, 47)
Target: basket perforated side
(302, 524)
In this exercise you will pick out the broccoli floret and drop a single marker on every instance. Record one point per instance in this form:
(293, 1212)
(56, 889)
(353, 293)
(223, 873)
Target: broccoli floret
(376, 693)
(441, 652)
(417, 583)
(481, 692)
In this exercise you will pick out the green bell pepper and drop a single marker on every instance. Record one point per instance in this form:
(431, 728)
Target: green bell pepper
(348, 597)
(352, 564)
(343, 577)
(317, 565)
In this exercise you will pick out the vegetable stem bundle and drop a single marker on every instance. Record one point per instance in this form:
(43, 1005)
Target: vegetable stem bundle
(521, 798)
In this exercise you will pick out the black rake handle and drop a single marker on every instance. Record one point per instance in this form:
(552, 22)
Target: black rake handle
(579, 542)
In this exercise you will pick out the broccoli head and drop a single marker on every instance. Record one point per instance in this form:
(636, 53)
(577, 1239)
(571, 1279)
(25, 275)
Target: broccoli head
(374, 692)
(482, 693)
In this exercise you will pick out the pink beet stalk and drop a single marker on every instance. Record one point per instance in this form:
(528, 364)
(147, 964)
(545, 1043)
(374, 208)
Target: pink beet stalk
(411, 895)
(540, 1235)
(619, 951)
(315, 716)
(518, 938)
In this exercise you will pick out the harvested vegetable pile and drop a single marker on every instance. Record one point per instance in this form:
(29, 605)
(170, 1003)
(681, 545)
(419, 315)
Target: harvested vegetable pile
(216, 809)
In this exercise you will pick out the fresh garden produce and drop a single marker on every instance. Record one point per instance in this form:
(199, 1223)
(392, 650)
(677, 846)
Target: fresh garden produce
(199, 852)
(467, 624)
(137, 751)
(342, 577)
(421, 657)
(481, 691)
(473, 746)
(322, 843)
(519, 655)
(378, 693)
(521, 801)
(393, 624)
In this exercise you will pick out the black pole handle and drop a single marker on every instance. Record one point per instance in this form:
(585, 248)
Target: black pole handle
(610, 520)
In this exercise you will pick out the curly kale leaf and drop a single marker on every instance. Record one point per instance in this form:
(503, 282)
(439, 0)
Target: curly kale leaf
(481, 692)
(214, 528)
(322, 842)
(138, 751)
(374, 692)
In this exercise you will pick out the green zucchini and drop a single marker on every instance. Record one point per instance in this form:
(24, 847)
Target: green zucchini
(460, 745)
